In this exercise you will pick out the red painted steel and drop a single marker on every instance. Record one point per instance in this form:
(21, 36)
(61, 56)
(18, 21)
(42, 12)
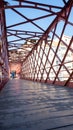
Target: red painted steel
(42, 68)
(4, 64)
(47, 54)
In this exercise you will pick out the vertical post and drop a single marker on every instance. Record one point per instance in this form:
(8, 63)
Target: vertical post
(3, 42)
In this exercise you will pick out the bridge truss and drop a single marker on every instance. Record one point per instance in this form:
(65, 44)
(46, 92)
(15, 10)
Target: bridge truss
(42, 41)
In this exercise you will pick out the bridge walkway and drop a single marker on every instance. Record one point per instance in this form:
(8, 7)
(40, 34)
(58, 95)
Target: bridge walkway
(27, 105)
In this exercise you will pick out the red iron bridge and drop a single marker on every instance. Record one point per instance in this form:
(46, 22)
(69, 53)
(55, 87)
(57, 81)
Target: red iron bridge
(36, 65)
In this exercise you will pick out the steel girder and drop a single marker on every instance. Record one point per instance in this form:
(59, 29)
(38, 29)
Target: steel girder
(51, 60)
(47, 53)
(4, 64)
(35, 32)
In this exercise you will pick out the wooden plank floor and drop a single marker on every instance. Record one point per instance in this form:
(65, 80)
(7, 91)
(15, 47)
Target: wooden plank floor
(26, 105)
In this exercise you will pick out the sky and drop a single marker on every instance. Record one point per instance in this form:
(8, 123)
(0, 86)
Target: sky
(50, 2)
(12, 18)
